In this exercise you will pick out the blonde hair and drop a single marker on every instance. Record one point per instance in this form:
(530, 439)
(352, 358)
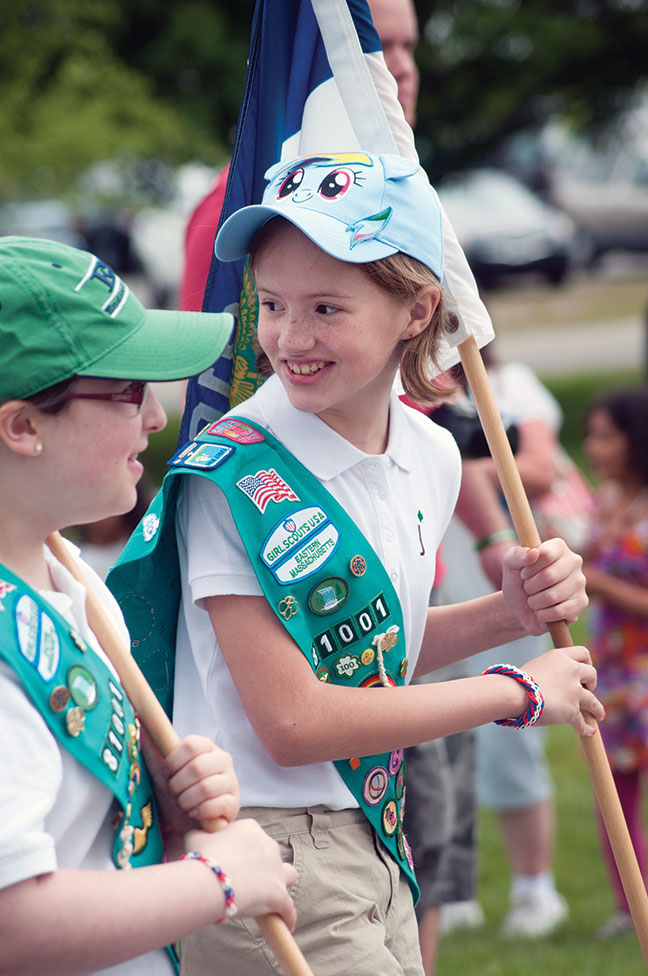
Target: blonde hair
(403, 277)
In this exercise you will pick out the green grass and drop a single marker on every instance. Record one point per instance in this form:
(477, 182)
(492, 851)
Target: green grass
(580, 877)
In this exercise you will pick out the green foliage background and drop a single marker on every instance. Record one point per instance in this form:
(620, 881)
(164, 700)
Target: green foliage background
(112, 78)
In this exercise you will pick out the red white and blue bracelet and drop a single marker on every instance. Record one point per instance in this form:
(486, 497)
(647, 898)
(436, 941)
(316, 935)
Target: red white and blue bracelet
(536, 701)
(225, 883)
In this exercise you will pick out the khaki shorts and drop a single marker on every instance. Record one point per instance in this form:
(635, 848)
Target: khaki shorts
(355, 915)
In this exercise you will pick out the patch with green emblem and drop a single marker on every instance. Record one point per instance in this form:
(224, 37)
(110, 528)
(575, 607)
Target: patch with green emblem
(328, 595)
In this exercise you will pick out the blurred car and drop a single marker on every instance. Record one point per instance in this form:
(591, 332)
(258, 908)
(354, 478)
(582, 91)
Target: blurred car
(605, 193)
(158, 232)
(505, 229)
(50, 219)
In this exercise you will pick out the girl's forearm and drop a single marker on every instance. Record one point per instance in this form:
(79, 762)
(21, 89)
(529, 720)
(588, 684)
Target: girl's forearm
(460, 630)
(321, 728)
(70, 922)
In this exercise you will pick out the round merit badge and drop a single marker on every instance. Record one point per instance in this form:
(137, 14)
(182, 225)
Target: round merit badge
(358, 565)
(390, 817)
(375, 785)
(59, 698)
(395, 760)
(367, 656)
(328, 595)
(83, 687)
(403, 847)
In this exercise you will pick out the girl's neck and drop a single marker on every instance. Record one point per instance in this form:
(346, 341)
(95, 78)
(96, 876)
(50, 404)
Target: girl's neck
(370, 434)
(22, 551)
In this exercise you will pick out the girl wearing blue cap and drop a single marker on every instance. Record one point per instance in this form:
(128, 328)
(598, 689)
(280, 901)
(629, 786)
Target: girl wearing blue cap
(77, 802)
(307, 548)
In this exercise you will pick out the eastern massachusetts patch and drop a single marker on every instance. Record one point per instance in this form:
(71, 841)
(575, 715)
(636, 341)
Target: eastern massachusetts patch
(309, 558)
(289, 532)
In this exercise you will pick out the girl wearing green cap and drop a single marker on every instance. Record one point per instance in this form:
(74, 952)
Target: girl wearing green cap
(306, 540)
(78, 807)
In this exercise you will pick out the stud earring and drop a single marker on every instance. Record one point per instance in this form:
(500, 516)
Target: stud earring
(38, 447)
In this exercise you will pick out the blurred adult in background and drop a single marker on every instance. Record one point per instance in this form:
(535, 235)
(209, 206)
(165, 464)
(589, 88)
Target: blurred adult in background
(513, 778)
(616, 567)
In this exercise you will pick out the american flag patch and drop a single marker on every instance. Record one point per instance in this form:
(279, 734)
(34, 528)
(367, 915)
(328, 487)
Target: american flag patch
(266, 486)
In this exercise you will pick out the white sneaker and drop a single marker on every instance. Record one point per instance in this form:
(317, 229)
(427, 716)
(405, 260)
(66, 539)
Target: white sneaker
(461, 915)
(620, 923)
(532, 916)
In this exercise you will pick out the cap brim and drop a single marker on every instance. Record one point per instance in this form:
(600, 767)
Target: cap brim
(331, 235)
(169, 345)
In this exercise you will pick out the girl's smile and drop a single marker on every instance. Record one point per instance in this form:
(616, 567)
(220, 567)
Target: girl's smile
(305, 369)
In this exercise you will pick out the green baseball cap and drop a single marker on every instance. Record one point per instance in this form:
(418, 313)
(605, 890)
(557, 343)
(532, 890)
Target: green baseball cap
(64, 312)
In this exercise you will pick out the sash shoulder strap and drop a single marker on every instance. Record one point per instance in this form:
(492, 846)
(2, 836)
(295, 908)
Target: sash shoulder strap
(84, 706)
(318, 572)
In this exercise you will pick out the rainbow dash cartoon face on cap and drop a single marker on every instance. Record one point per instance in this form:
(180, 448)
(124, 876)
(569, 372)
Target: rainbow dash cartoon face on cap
(357, 207)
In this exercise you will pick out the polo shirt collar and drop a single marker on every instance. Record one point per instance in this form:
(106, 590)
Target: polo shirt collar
(318, 446)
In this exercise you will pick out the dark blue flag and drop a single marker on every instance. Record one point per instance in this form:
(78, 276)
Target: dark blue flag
(316, 82)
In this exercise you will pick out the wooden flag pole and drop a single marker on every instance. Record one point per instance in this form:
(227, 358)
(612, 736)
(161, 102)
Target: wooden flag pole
(157, 723)
(527, 533)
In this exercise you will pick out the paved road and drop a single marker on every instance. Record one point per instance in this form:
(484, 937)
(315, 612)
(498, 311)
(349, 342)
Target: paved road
(554, 351)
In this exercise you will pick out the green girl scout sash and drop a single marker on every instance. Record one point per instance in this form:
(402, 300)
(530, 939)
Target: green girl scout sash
(322, 578)
(85, 708)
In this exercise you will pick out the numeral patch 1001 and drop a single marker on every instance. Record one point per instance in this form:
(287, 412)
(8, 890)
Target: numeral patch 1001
(353, 629)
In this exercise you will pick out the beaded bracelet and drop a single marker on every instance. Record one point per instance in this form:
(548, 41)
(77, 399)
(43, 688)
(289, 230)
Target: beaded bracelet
(225, 883)
(500, 536)
(536, 701)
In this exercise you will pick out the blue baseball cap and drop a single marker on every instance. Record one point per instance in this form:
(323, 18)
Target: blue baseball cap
(356, 206)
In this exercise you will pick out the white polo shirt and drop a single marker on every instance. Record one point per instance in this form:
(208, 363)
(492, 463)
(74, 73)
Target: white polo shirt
(401, 500)
(55, 812)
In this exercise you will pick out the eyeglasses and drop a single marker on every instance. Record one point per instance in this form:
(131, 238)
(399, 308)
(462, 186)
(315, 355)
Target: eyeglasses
(134, 393)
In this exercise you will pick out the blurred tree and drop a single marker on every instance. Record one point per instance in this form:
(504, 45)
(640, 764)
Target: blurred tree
(195, 54)
(68, 99)
(85, 81)
(490, 68)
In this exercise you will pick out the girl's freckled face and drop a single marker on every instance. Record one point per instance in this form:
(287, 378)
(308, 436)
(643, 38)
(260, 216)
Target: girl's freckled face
(331, 334)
